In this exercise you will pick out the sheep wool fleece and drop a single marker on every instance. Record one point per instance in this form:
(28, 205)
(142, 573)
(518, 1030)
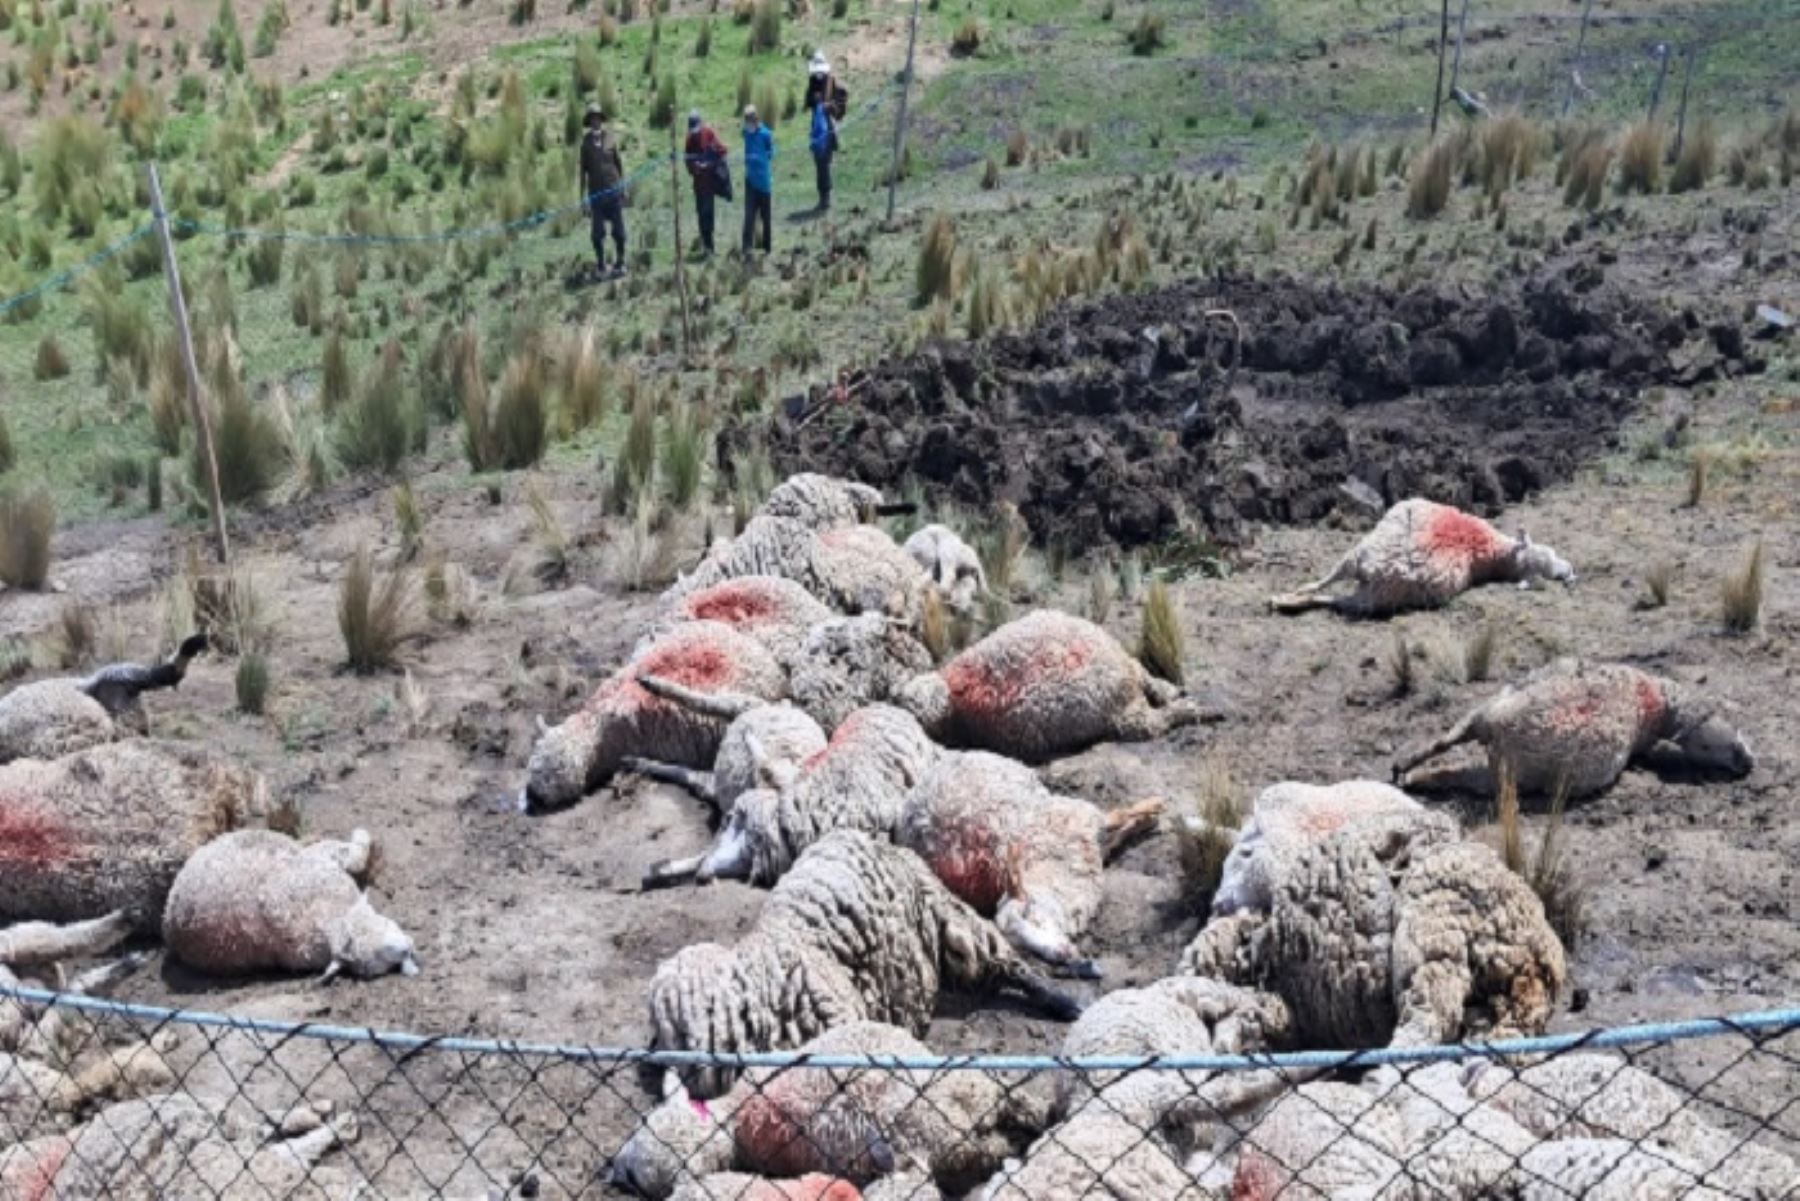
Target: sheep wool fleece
(108, 828)
(49, 719)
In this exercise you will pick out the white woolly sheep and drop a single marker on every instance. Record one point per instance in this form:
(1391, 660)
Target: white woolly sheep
(1045, 685)
(1389, 929)
(52, 718)
(1097, 1156)
(952, 564)
(622, 719)
(859, 930)
(107, 828)
(765, 741)
(1577, 726)
(1285, 817)
(854, 569)
(173, 1146)
(29, 950)
(257, 900)
(858, 781)
(777, 612)
(1017, 852)
(1421, 555)
(823, 502)
(856, 1125)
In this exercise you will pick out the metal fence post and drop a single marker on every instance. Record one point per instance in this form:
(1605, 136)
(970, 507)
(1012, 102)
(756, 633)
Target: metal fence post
(912, 39)
(1662, 73)
(178, 304)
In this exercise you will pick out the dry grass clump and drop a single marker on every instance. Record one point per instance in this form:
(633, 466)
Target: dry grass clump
(684, 447)
(1403, 671)
(251, 682)
(967, 38)
(986, 309)
(550, 539)
(1001, 547)
(50, 362)
(934, 626)
(1699, 474)
(1741, 593)
(582, 382)
(8, 456)
(635, 468)
(1658, 581)
(1641, 158)
(1147, 36)
(1018, 145)
(1204, 835)
(1508, 152)
(1548, 872)
(373, 617)
(1582, 169)
(1698, 160)
(27, 523)
(1478, 653)
(76, 636)
(247, 442)
(1428, 187)
(936, 274)
(409, 519)
(1162, 646)
(520, 419)
(386, 421)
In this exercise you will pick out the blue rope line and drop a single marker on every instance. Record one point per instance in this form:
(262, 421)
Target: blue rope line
(63, 277)
(1774, 1022)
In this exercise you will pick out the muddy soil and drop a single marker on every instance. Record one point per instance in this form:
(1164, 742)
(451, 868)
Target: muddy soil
(1122, 420)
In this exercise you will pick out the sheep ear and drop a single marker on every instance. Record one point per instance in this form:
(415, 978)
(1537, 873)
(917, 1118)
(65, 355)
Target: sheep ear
(672, 1088)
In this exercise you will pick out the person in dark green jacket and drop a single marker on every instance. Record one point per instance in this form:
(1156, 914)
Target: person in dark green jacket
(602, 189)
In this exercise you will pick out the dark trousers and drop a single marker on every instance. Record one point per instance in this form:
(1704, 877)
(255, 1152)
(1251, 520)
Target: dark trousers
(758, 204)
(822, 174)
(703, 205)
(608, 212)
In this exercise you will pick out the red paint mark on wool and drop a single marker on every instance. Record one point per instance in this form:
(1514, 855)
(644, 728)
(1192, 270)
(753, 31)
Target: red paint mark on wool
(1461, 537)
(845, 733)
(1577, 712)
(31, 838)
(1258, 1178)
(693, 662)
(1320, 822)
(740, 603)
(37, 1181)
(978, 686)
(966, 857)
(778, 1140)
(1653, 707)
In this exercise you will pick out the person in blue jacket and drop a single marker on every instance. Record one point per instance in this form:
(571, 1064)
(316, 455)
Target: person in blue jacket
(822, 96)
(759, 179)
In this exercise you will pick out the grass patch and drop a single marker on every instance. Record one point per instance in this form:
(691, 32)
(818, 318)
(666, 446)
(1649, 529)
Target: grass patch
(1428, 185)
(27, 526)
(1641, 158)
(374, 617)
(1562, 892)
(1478, 653)
(1205, 834)
(1698, 160)
(1162, 646)
(936, 272)
(1741, 593)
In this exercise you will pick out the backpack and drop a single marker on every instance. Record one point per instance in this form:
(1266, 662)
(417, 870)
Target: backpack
(722, 178)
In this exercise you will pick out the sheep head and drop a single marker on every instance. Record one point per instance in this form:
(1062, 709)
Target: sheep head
(1533, 561)
(683, 1138)
(739, 847)
(1712, 745)
(927, 698)
(366, 944)
(557, 772)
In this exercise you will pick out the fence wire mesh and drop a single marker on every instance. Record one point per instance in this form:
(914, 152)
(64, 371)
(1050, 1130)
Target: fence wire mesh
(104, 1100)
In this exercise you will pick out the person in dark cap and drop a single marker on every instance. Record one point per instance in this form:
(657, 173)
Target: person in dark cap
(602, 189)
(759, 179)
(705, 156)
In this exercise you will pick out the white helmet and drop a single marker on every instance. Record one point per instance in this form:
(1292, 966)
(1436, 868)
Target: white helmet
(820, 65)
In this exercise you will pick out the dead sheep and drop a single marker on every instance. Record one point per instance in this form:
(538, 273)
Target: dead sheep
(32, 955)
(859, 930)
(956, 1127)
(1017, 852)
(52, 718)
(954, 567)
(1389, 929)
(1421, 555)
(173, 1146)
(256, 900)
(1577, 726)
(777, 612)
(737, 1186)
(1286, 816)
(764, 741)
(823, 502)
(108, 828)
(1047, 684)
(623, 719)
(854, 569)
(859, 780)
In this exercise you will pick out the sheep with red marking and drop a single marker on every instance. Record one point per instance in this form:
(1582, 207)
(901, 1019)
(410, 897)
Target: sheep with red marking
(256, 900)
(1047, 684)
(1422, 555)
(1017, 852)
(854, 569)
(1577, 726)
(777, 612)
(108, 828)
(859, 929)
(622, 718)
(859, 1125)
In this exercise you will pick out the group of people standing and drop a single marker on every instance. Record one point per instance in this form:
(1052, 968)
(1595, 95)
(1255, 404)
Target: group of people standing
(709, 168)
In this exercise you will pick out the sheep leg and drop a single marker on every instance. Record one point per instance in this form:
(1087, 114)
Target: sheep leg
(1431, 1007)
(51, 1033)
(352, 857)
(723, 705)
(1126, 824)
(1310, 596)
(1144, 722)
(1041, 994)
(671, 872)
(1466, 730)
(700, 783)
(32, 944)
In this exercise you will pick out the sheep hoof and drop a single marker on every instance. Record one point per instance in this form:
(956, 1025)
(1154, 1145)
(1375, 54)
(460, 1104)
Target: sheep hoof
(1079, 969)
(669, 873)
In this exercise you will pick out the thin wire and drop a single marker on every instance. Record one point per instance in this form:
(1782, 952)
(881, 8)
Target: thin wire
(69, 274)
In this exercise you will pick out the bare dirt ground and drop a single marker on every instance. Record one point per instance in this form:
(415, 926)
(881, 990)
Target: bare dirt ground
(533, 928)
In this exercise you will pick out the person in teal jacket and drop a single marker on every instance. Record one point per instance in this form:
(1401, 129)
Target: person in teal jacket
(759, 179)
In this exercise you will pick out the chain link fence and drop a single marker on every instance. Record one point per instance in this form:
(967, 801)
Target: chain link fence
(106, 1100)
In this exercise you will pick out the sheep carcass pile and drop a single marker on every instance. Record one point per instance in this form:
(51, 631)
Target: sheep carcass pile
(1015, 851)
(1421, 555)
(854, 569)
(623, 719)
(109, 827)
(1045, 685)
(1577, 725)
(765, 742)
(256, 900)
(52, 718)
(853, 1125)
(859, 930)
(1387, 928)
(859, 781)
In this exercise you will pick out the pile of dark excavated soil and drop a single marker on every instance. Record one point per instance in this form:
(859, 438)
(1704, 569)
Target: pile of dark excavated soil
(1124, 419)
